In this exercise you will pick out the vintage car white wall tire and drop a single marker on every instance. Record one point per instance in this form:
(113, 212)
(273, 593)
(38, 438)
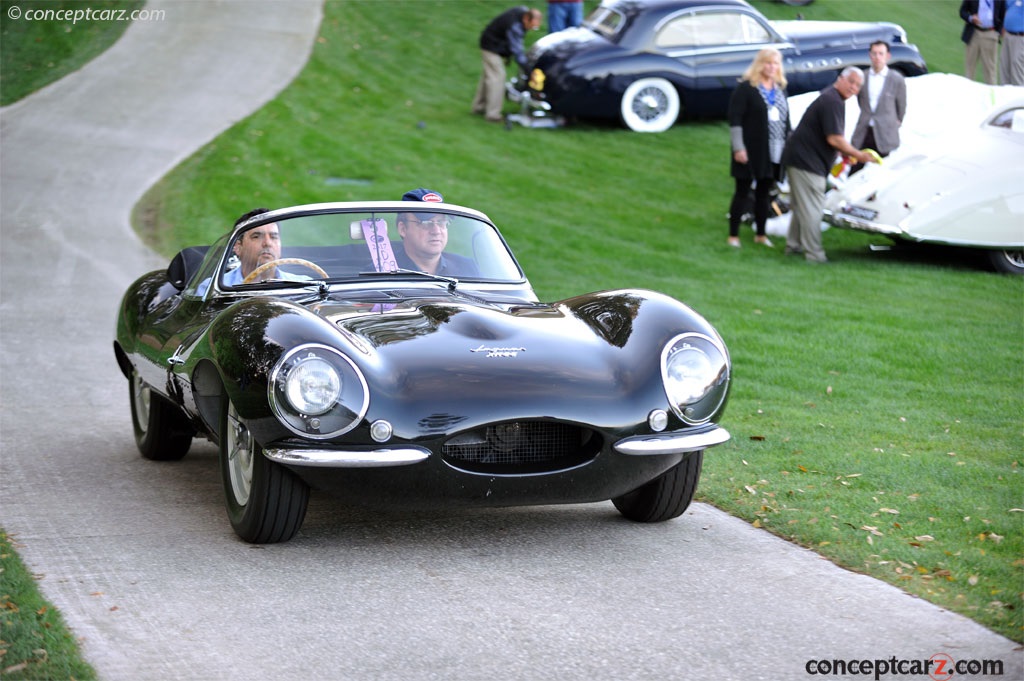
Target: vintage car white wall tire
(650, 105)
(266, 502)
(162, 433)
(1009, 262)
(665, 497)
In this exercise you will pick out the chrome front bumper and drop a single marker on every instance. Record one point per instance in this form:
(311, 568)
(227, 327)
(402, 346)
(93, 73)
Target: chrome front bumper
(672, 443)
(638, 445)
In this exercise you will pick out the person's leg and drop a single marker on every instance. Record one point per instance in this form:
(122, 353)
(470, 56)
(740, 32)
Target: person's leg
(869, 143)
(494, 85)
(807, 197)
(480, 98)
(762, 202)
(1013, 57)
(990, 56)
(557, 15)
(739, 199)
(575, 14)
(971, 56)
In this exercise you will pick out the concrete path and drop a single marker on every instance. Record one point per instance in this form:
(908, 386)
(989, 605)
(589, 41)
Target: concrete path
(140, 558)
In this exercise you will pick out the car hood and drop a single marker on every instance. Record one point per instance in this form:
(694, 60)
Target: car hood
(581, 356)
(815, 35)
(570, 49)
(411, 324)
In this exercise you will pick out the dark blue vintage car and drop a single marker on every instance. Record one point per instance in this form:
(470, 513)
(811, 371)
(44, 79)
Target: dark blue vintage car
(647, 62)
(396, 354)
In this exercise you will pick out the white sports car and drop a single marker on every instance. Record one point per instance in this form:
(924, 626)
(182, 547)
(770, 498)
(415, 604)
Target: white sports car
(962, 187)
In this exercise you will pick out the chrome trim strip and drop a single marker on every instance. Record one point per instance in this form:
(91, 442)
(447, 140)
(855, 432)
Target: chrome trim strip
(672, 443)
(337, 458)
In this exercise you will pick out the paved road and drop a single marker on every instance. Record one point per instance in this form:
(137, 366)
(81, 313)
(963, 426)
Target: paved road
(140, 558)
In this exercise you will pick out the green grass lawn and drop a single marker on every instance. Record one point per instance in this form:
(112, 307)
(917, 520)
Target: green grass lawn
(36, 50)
(877, 403)
(35, 644)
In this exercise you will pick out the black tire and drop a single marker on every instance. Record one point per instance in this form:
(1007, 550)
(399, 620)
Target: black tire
(1007, 262)
(665, 497)
(162, 432)
(266, 502)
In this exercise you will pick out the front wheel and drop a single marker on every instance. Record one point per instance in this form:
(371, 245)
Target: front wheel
(162, 433)
(266, 502)
(665, 497)
(1008, 262)
(650, 105)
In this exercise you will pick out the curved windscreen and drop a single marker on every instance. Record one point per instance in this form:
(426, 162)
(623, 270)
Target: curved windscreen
(342, 246)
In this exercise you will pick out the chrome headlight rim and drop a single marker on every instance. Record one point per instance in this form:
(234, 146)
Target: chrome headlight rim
(347, 410)
(697, 409)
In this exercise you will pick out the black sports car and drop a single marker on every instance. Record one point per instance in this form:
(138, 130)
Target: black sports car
(647, 62)
(395, 353)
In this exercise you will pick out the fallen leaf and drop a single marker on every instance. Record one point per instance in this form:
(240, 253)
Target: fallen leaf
(925, 537)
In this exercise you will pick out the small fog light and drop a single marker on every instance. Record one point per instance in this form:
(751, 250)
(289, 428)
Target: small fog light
(381, 431)
(657, 420)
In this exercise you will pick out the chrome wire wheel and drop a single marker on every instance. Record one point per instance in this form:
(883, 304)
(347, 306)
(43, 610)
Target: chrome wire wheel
(140, 403)
(239, 457)
(650, 105)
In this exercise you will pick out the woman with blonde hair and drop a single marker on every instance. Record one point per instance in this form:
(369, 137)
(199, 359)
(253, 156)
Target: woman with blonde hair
(758, 128)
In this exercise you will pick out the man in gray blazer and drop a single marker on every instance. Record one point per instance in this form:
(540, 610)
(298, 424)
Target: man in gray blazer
(883, 103)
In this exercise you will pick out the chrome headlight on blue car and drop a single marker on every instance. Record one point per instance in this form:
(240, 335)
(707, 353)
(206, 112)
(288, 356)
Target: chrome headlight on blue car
(317, 392)
(695, 372)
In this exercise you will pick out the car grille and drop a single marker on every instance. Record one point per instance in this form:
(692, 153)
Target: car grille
(522, 447)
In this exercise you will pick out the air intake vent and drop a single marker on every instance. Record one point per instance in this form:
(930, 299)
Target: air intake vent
(522, 447)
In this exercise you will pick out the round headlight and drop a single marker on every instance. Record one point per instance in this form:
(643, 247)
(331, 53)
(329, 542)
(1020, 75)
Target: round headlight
(695, 371)
(317, 392)
(312, 386)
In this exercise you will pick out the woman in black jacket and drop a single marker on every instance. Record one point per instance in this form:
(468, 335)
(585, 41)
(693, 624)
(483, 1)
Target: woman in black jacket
(758, 126)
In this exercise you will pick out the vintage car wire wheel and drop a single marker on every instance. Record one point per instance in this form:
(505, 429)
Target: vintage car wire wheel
(266, 502)
(650, 105)
(162, 433)
(665, 497)
(1009, 262)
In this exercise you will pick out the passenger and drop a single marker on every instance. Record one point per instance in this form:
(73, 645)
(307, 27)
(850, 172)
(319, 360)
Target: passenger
(424, 238)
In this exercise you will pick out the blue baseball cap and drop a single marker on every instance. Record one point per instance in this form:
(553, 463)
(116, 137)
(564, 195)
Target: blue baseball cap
(422, 194)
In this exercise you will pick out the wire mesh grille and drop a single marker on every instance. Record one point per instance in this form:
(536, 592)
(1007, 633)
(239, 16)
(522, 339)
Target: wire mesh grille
(520, 443)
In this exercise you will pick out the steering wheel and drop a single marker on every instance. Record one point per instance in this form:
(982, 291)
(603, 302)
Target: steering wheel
(283, 261)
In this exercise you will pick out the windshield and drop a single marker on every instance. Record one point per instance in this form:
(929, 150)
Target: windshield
(605, 21)
(346, 246)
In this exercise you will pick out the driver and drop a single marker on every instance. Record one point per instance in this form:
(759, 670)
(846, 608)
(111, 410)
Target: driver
(257, 247)
(424, 237)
